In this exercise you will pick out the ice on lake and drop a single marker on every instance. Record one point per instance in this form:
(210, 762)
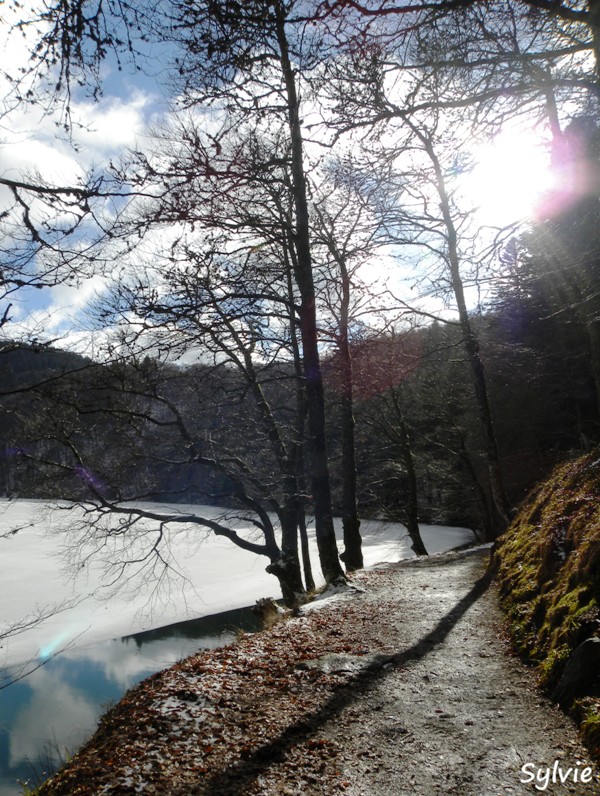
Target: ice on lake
(104, 639)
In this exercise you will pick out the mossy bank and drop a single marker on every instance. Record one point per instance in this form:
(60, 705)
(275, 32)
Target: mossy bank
(549, 579)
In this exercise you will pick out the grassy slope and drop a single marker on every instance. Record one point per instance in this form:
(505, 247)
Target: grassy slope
(549, 577)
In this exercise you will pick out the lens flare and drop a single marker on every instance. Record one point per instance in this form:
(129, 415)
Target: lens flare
(511, 176)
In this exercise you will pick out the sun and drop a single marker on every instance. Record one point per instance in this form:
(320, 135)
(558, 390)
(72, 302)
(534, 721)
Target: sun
(510, 176)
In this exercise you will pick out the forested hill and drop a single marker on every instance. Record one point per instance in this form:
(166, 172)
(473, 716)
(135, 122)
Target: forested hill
(23, 365)
(413, 407)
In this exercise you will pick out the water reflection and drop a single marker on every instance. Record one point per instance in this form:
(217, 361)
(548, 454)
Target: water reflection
(49, 714)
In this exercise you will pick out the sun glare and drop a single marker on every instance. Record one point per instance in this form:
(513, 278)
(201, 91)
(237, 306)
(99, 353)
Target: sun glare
(510, 176)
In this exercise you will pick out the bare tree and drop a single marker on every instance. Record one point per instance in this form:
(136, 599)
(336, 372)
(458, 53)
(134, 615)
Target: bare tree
(384, 362)
(237, 59)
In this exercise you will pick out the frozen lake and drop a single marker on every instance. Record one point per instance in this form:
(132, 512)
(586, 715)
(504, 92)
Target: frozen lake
(82, 658)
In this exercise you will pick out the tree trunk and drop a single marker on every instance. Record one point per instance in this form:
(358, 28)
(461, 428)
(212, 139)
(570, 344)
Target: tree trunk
(470, 338)
(309, 581)
(479, 383)
(288, 574)
(286, 567)
(319, 468)
(486, 509)
(352, 555)
(289, 538)
(297, 448)
(412, 510)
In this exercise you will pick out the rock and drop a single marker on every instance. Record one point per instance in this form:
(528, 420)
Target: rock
(581, 671)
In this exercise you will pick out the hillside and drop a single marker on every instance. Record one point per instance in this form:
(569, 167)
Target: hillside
(549, 582)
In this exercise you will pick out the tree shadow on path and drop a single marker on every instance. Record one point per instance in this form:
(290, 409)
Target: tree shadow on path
(236, 778)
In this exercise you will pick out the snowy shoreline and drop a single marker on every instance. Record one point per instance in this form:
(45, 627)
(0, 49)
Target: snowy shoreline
(215, 576)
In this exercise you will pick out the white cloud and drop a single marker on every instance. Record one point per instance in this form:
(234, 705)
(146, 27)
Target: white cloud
(38, 153)
(113, 124)
(55, 310)
(33, 142)
(29, 739)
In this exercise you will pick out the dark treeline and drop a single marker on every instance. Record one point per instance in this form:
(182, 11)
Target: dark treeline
(419, 449)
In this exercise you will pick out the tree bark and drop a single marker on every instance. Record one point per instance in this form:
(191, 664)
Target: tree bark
(287, 568)
(352, 555)
(319, 468)
(297, 448)
(412, 508)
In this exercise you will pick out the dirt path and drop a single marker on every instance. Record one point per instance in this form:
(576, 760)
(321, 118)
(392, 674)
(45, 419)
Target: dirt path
(458, 714)
(406, 688)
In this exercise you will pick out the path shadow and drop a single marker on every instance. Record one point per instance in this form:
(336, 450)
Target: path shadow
(233, 780)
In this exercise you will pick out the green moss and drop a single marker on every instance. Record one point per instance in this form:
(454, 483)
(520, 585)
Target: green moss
(554, 662)
(591, 728)
(549, 570)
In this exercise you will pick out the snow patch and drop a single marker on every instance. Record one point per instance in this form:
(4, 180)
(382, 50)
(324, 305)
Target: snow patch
(334, 592)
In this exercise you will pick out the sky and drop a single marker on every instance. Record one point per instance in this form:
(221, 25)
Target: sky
(502, 188)
(510, 176)
(32, 143)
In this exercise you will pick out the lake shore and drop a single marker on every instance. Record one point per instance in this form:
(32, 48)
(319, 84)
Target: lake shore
(401, 685)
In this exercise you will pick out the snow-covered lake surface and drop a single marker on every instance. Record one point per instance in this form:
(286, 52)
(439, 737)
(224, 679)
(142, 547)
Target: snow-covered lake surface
(56, 706)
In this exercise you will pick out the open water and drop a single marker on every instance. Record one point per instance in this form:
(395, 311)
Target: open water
(46, 716)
